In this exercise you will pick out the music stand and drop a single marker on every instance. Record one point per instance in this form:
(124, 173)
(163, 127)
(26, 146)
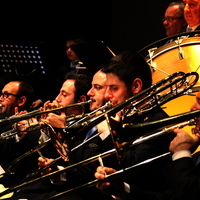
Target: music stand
(23, 60)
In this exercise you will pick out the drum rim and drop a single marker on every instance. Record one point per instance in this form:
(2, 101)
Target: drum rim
(173, 45)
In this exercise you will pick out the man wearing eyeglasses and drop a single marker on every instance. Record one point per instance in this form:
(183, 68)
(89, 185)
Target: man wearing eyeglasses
(16, 96)
(174, 21)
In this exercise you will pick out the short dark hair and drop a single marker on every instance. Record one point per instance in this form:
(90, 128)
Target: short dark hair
(25, 89)
(82, 84)
(78, 38)
(128, 66)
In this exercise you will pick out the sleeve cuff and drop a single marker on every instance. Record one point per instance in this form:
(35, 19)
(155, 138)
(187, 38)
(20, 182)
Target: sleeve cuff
(181, 154)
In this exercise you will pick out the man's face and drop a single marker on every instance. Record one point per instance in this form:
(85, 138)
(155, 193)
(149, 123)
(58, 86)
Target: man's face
(192, 12)
(117, 92)
(67, 93)
(172, 24)
(97, 92)
(9, 103)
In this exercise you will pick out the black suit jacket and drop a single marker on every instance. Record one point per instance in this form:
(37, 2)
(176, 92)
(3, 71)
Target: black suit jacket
(148, 176)
(184, 176)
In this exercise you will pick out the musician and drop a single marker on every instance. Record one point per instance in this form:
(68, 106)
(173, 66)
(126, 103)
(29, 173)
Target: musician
(173, 20)
(125, 78)
(192, 14)
(128, 75)
(16, 96)
(94, 146)
(42, 190)
(183, 172)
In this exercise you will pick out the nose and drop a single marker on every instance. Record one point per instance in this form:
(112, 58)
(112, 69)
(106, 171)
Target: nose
(90, 92)
(58, 98)
(186, 7)
(108, 95)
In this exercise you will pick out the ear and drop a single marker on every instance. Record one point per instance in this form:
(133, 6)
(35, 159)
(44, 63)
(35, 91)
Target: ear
(136, 86)
(21, 101)
(83, 98)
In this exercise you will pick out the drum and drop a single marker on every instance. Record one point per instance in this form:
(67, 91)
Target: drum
(183, 55)
(179, 55)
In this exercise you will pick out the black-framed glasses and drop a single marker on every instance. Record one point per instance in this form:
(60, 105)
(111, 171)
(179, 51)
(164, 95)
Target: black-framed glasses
(170, 19)
(5, 95)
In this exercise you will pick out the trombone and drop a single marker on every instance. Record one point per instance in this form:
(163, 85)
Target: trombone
(139, 104)
(158, 94)
(70, 117)
(168, 121)
(177, 79)
(35, 113)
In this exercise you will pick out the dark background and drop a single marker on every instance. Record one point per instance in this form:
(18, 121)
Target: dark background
(121, 24)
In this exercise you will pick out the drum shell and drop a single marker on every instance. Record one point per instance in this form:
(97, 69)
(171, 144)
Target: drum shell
(179, 55)
(167, 59)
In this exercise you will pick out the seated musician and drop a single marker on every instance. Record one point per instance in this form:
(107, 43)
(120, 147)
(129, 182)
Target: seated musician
(125, 78)
(16, 96)
(73, 90)
(183, 172)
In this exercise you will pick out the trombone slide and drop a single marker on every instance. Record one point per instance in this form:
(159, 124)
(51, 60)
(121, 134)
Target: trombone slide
(163, 131)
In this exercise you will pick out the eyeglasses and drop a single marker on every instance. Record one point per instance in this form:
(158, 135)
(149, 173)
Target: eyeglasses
(170, 19)
(5, 95)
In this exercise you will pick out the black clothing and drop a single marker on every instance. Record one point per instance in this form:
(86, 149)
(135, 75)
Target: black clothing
(148, 176)
(11, 150)
(145, 175)
(184, 177)
(75, 176)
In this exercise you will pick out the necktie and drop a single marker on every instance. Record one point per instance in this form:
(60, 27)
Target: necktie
(90, 132)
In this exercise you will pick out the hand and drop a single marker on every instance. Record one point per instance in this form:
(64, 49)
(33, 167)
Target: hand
(21, 126)
(43, 162)
(58, 121)
(36, 104)
(113, 185)
(183, 141)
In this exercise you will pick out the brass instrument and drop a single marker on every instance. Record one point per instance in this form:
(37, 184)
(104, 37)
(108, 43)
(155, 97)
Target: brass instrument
(171, 120)
(175, 86)
(67, 109)
(126, 132)
(149, 99)
(70, 117)
(165, 130)
(158, 94)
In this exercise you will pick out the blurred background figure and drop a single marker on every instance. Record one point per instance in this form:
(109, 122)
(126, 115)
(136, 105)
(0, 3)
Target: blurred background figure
(174, 21)
(192, 14)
